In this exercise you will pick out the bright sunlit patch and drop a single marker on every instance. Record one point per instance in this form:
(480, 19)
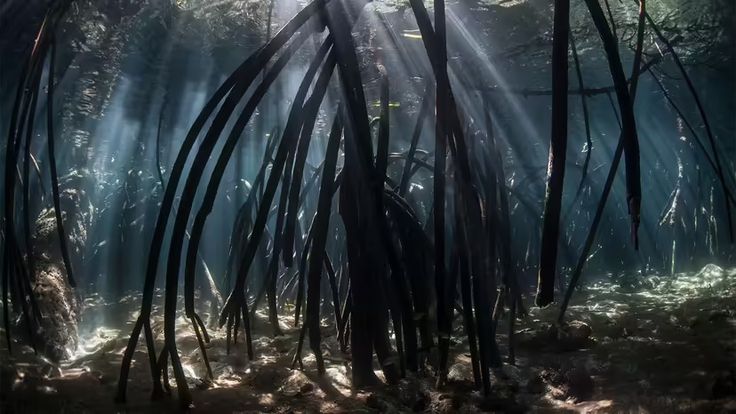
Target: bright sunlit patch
(377, 104)
(510, 3)
(45, 389)
(266, 400)
(412, 34)
(415, 186)
(100, 340)
(268, 359)
(338, 376)
(227, 382)
(189, 370)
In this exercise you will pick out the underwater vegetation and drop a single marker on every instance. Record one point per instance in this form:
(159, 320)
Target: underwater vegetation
(350, 205)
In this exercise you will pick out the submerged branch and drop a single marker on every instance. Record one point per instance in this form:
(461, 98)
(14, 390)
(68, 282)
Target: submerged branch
(557, 156)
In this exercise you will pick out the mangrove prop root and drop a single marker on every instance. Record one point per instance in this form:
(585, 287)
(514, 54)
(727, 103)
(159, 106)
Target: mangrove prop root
(557, 156)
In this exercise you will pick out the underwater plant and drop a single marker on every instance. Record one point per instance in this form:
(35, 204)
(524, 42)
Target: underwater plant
(332, 219)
